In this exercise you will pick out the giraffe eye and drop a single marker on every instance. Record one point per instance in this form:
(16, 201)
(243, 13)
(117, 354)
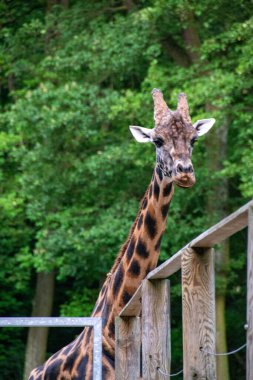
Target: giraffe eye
(158, 141)
(193, 140)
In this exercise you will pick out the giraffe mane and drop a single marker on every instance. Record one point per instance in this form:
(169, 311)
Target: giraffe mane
(125, 245)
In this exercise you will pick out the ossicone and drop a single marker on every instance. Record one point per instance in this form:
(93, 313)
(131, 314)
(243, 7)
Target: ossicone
(161, 110)
(183, 108)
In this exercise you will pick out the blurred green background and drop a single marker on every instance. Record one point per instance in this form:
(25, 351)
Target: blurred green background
(73, 76)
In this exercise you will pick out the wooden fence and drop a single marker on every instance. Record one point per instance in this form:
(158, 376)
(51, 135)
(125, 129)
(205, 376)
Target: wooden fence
(143, 343)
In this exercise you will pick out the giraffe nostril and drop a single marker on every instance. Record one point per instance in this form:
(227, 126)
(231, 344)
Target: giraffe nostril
(184, 169)
(190, 169)
(180, 168)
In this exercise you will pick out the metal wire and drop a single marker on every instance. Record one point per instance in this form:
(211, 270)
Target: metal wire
(167, 374)
(207, 352)
(223, 353)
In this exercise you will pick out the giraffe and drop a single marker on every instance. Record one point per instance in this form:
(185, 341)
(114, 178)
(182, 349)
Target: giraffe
(173, 136)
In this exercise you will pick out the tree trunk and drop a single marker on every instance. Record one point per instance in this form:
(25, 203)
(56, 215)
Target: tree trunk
(221, 337)
(37, 336)
(175, 52)
(191, 37)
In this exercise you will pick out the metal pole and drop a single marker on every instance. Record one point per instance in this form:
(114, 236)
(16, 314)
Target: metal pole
(97, 350)
(250, 297)
(95, 322)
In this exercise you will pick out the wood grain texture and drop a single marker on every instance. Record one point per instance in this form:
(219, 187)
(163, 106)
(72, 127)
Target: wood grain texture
(198, 314)
(127, 358)
(133, 307)
(170, 266)
(225, 228)
(217, 233)
(250, 297)
(156, 346)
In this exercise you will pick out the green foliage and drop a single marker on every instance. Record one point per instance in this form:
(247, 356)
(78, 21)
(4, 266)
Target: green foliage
(80, 304)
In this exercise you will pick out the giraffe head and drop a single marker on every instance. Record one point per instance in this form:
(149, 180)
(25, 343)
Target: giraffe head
(174, 136)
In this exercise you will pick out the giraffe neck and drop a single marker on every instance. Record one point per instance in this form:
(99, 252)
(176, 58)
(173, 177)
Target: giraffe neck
(138, 255)
(136, 258)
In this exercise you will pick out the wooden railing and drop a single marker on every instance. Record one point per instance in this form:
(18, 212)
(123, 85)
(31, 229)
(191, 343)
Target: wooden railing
(143, 345)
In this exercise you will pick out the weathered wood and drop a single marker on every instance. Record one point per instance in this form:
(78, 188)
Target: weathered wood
(198, 314)
(127, 358)
(155, 329)
(133, 307)
(250, 297)
(217, 233)
(225, 228)
(169, 267)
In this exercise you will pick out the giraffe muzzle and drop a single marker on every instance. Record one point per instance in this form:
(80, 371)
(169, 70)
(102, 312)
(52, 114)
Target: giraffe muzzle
(184, 174)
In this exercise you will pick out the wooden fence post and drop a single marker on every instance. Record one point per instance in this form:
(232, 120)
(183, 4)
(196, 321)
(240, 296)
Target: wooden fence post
(198, 314)
(127, 358)
(250, 297)
(155, 329)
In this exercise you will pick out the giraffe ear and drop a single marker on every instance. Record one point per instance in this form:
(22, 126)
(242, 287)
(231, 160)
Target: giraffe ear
(203, 126)
(140, 134)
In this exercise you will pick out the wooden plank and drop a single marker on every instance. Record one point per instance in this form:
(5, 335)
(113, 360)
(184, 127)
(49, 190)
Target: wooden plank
(155, 329)
(219, 232)
(222, 230)
(250, 297)
(127, 348)
(133, 307)
(198, 314)
(169, 267)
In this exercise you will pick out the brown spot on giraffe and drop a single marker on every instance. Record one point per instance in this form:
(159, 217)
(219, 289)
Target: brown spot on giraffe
(173, 136)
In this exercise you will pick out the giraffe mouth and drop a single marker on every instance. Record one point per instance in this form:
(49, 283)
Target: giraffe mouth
(183, 186)
(185, 181)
